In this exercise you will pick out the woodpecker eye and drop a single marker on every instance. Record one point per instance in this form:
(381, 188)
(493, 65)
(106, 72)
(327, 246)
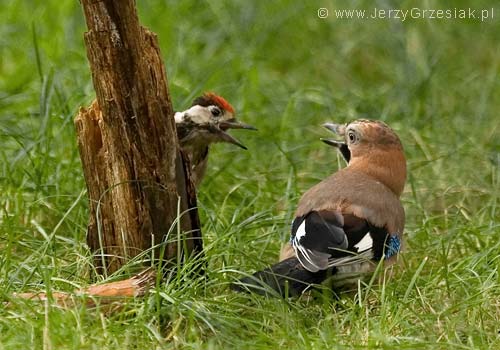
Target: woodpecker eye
(352, 137)
(216, 111)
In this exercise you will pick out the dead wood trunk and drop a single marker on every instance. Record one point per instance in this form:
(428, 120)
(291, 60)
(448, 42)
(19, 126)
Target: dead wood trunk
(136, 179)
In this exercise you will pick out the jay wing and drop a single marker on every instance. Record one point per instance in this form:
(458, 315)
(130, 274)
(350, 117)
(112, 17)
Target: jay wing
(326, 239)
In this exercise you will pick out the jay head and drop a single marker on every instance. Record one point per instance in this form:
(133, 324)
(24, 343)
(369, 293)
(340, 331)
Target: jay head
(371, 147)
(350, 221)
(205, 122)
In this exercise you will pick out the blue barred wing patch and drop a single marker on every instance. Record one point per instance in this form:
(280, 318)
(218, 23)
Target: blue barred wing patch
(392, 246)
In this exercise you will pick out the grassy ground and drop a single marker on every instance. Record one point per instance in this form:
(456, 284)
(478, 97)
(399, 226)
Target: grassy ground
(285, 71)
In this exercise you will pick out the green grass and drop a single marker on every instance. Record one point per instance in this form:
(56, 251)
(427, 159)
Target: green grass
(437, 82)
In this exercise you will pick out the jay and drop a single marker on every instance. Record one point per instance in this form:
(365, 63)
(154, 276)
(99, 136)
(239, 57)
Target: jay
(347, 223)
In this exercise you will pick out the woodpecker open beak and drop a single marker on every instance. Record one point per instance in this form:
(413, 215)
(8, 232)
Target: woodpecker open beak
(233, 124)
(338, 129)
(224, 136)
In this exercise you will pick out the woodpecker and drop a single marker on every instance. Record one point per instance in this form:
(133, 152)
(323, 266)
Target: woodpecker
(347, 223)
(204, 123)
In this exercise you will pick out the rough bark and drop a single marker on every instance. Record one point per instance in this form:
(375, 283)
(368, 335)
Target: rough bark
(136, 179)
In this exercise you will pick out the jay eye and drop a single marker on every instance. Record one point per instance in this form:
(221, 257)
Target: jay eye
(352, 137)
(216, 112)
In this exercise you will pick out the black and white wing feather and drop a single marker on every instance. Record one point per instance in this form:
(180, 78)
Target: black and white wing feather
(326, 244)
(323, 239)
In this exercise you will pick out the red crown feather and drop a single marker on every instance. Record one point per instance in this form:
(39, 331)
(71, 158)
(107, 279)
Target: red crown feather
(209, 98)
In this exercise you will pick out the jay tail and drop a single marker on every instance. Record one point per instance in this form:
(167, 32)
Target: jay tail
(347, 223)
(204, 123)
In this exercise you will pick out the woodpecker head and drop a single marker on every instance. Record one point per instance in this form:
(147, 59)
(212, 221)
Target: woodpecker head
(372, 147)
(207, 121)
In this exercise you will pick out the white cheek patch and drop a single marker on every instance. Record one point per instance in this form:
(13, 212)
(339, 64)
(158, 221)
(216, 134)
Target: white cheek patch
(198, 114)
(179, 117)
(366, 243)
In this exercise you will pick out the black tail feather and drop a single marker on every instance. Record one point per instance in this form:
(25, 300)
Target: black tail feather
(286, 278)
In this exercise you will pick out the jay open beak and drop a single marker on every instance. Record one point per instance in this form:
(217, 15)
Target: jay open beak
(233, 124)
(338, 129)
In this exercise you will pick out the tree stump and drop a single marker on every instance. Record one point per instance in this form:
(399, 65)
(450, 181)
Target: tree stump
(136, 179)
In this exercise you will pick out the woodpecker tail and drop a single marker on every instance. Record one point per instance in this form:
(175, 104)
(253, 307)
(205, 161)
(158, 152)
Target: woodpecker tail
(286, 278)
